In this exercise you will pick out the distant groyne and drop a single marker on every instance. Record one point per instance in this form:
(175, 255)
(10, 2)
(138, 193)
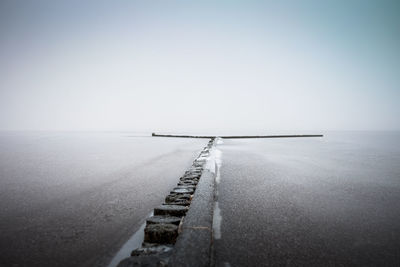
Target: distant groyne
(237, 136)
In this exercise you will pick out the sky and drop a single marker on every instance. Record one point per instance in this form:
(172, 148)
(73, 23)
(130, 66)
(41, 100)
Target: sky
(200, 66)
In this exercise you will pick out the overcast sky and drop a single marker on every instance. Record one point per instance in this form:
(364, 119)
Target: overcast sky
(201, 66)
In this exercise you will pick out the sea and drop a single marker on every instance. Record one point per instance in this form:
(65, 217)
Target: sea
(74, 198)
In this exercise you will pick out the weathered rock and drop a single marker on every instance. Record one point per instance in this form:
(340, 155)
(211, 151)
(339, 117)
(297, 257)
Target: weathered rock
(182, 191)
(189, 170)
(172, 210)
(198, 166)
(182, 202)
(153, 260)
(151, 249)
(174, 197)
(176, 200)
(184, 182)
(187, 182)
(190, 176)
(186, 186)
(194, 171)
(163, 233)
(164, 219)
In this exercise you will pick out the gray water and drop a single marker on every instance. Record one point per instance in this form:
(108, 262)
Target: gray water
(73, 199)
(331, 201)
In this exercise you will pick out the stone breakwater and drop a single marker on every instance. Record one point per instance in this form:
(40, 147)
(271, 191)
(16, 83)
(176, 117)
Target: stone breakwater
(238, 136)
(162, 229)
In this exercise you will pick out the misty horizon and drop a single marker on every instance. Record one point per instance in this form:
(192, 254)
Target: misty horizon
(176, 67)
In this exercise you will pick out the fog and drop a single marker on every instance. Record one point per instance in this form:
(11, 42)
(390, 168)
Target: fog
(186, 66)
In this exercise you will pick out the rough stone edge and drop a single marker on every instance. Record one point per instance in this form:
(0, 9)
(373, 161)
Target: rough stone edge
(160, 258)
(193, 246)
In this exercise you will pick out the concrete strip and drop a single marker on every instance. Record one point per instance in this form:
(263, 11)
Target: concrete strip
(193, 246)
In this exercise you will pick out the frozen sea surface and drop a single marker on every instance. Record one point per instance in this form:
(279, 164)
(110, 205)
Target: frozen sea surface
(72, 199)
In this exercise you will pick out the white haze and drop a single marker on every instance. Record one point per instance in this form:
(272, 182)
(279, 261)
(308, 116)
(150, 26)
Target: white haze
(204, 67)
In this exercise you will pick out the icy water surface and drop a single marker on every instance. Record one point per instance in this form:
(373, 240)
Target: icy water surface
(72, 199)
